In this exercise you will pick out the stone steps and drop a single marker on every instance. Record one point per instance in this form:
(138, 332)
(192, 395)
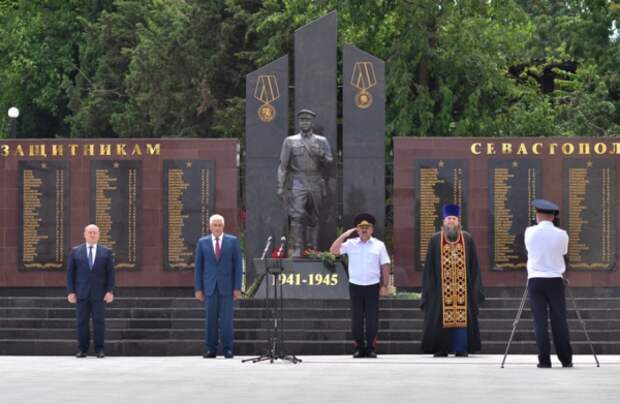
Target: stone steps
(146, 322)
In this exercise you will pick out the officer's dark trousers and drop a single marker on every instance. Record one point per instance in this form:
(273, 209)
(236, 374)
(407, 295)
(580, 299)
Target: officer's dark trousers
(543, 293)
(364, 309)
(87, 308)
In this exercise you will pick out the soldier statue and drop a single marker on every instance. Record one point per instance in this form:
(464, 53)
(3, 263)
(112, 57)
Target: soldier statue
(301, 185)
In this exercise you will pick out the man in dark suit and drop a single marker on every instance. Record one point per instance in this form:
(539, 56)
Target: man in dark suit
(217, 282)
(90, 283)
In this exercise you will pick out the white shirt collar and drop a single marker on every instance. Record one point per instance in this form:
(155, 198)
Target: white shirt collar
(360, 241)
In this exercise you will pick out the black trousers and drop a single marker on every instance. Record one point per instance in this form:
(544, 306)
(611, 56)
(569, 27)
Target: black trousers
(87, 308)
(364, 309)
(548, 293)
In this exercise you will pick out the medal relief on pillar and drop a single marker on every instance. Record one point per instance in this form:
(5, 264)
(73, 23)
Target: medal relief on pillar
(267, 91)
(363, 79)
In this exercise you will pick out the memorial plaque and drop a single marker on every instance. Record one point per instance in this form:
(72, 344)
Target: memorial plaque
(438, 182)
(589, 213)
(188, 203)
(513, 184)
(115, 206)
(43, 205)
(302, 279)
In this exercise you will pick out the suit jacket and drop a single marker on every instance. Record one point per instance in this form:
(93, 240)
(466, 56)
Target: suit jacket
(87, 283)
(210, 272)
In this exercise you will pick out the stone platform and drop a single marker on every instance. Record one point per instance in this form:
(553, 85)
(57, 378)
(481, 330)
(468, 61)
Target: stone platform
(154, 322)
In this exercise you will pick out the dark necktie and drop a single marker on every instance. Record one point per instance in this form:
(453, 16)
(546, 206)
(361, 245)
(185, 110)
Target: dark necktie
(91, 262)
(218, 250)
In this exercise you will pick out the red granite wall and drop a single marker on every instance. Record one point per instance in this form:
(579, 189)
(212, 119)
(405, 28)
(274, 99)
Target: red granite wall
(151, 273)
(478, 152)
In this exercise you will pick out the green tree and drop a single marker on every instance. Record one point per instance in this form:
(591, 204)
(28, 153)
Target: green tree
(571, 57)
(151, 68)
(40, 41)
(163, 68)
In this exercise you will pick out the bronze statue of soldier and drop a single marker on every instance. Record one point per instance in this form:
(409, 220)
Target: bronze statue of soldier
(301, 185)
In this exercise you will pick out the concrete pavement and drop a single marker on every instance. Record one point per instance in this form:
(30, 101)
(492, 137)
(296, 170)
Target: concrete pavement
(319, 379)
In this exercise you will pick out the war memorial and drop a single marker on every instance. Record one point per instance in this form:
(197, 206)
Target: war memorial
(152, 200)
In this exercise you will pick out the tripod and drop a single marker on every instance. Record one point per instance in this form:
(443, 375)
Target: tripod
(275, 303)
(518, 318)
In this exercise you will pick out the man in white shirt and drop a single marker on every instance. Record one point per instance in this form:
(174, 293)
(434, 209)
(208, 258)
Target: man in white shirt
(369, 272)
(546, 246)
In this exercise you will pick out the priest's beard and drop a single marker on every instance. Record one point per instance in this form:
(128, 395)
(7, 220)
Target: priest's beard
(451, 231)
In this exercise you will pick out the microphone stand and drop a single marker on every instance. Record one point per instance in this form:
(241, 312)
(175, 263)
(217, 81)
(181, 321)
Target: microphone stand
(275, 305)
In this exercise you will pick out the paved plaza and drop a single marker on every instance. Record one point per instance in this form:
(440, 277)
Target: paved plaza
(319, 379)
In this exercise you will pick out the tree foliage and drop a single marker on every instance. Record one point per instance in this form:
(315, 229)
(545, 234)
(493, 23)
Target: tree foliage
(152, 68)
(40, 48)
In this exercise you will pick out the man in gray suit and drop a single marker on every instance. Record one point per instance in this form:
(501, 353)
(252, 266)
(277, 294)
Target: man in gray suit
(217, 282)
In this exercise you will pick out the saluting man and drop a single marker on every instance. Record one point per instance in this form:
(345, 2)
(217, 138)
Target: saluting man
(369, 273)
(546, 246)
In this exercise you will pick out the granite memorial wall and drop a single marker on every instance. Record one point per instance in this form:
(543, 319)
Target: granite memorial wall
(150, 198)
(494, 180)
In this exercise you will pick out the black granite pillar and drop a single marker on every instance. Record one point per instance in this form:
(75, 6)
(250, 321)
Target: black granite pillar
(316, 89)
(363, 138)
(266, 126)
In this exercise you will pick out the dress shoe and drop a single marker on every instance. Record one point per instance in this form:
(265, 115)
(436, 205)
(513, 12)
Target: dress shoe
(80, 354)
(461, 354)
(567, 365)
(543, 365)
(100, 355)
(358, 354)
(440, 354)
(208, 354)
(371, 353)
(228, 354)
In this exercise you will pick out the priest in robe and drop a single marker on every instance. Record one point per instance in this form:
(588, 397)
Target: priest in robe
(451, 290)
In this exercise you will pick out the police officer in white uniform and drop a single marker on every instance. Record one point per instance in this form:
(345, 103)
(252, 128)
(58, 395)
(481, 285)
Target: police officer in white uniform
(369, 271)
(546, 246)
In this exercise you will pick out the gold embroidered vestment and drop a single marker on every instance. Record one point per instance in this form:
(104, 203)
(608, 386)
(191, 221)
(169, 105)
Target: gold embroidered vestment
(454, 282)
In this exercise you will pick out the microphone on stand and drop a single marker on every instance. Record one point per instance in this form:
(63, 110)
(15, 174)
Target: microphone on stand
(266, 248)
(281, 251)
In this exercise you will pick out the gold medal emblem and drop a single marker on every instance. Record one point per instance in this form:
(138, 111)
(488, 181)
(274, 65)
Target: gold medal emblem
(267, 92)
(363, 78)
(363, 99)
(266, 113)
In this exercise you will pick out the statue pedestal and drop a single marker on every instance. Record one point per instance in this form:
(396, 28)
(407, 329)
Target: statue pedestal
(305, 278)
